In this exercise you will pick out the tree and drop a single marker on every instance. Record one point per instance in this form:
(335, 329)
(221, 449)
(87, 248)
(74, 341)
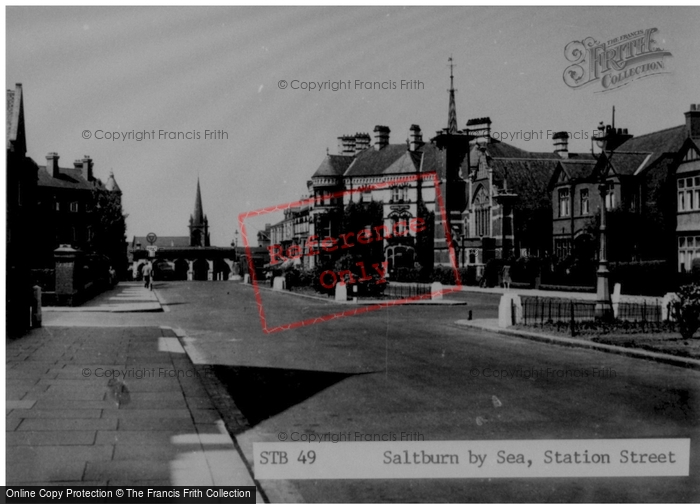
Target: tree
(109, 228)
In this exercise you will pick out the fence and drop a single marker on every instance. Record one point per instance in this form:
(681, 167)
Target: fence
(579, 317)
(398, 290)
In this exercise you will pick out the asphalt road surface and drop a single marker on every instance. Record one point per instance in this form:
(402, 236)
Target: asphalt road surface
(410, 369)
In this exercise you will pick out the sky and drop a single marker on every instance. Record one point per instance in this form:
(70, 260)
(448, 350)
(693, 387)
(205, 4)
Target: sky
(105, 70)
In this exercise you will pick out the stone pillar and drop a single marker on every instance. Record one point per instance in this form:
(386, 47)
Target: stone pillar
(190, 271)
(67, 275)
(509, 302)
(210, 273)
(341, 292)
(436, 290)
(36, 308)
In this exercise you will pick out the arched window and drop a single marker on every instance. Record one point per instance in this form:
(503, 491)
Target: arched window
(482, 211)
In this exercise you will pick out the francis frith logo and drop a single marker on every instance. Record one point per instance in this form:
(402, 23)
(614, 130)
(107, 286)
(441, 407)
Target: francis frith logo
(615, 63)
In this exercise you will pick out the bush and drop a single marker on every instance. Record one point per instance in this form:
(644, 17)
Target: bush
(406, 275)
(650, 278)
(443, 274)
(44, 278)
(687, 310)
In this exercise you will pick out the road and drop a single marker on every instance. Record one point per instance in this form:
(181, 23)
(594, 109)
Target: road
(411, 369)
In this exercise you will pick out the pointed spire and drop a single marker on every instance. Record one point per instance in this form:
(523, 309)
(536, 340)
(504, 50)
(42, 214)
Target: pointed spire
(198, 210)
(452, 114)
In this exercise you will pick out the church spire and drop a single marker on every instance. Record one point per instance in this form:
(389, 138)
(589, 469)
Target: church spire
(452, 113)
(198, 216)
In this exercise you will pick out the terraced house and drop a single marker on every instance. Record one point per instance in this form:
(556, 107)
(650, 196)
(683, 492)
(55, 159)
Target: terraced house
(648, 186)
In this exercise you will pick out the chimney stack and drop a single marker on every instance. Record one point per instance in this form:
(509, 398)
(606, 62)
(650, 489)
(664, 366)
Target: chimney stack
(381, 137)
(346, 145)
(362, 142)
(692, 121)
(415, 138)
(85, 167)
(52, 164)
(561, 144)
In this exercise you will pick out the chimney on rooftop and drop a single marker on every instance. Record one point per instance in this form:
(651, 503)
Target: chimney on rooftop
(692, 121)
(362, 142)
(561, 144)
(415, 138)
(52, 164)
(346, 145)
(381, 137)
(85, 167)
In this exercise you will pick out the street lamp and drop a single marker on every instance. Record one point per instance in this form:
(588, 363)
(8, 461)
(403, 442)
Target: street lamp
(236, 238)
(603, 306)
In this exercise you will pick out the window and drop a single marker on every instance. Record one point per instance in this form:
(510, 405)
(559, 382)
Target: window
(564, 201)
(562, 247)
(610, 196)
(74, 206)
(688, 249)
(57, 206)
(585, 207)
(482, 213)
(688, 194)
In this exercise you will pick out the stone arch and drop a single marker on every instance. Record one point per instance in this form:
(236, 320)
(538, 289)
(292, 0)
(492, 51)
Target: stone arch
(201, 269)
(220, 267)
(181, 269)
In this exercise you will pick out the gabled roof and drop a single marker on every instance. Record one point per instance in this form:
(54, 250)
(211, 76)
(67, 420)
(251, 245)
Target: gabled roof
(333, 166)
(68, 178)
(658, 143)
(578, 169)
(525, 176)
(627, 163)
(162, 241)
(398, 159)
(497, 149)
(375, 162)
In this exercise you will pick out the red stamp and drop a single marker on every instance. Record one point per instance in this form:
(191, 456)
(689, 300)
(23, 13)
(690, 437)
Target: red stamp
(371, 272)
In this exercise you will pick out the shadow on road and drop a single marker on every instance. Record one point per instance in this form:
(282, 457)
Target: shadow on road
(261, 393)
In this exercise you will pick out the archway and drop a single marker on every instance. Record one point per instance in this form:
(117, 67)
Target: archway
(220, 267)
(201, 269)
(181, 269)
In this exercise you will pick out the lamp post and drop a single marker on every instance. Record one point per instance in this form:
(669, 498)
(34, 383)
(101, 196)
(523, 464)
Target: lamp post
(236, 238)
(603, 306)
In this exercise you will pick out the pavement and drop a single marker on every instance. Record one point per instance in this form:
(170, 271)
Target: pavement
(492, 325)
(127, 297)
(113, 405)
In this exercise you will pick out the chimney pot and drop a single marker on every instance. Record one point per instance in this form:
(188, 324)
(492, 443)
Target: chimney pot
(561, 144)
(692, 121)
(52, 164)
(381, 137)
(415, 138)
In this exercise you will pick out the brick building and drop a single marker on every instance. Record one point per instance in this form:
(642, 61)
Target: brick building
(649, 185)
(21, 216)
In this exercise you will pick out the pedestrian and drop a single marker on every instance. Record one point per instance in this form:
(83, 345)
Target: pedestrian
(146, 272)
(505, 273)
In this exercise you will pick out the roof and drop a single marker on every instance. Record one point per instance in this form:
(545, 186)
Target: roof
(111, 184)
(526, 176)
(374, 162)
(658, 143)
(333, 166)
(579, 169)
(68, 178)
(398, 159)
(162, 241)
(624, 163)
